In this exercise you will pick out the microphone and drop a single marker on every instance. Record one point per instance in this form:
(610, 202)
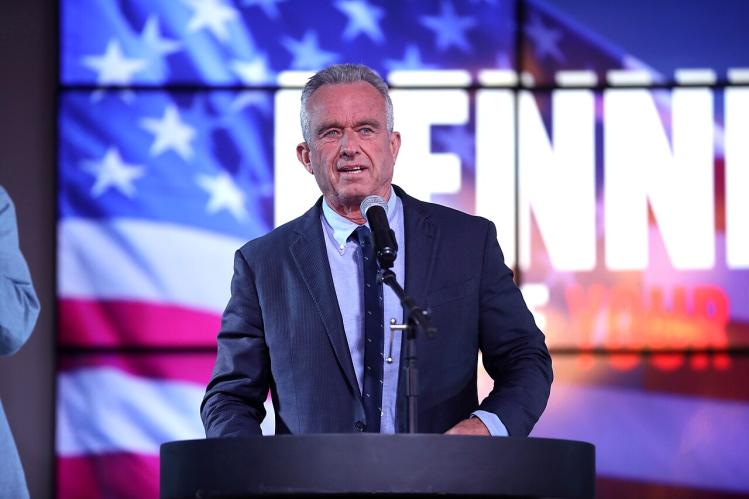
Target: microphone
(374, 210)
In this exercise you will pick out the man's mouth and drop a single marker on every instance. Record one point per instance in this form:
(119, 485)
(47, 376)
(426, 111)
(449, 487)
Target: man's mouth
(351, 169)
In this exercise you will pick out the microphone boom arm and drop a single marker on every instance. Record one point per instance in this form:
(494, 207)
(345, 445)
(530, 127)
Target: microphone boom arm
(418, 319)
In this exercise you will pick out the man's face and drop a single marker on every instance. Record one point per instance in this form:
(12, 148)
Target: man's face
(351, 153)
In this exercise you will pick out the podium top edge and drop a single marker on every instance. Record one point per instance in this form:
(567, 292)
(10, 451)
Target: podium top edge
(359, 437)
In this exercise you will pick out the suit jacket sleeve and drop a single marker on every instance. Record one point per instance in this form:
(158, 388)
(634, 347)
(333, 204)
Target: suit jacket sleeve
(19, 306)
(513, 349)
(233, 403)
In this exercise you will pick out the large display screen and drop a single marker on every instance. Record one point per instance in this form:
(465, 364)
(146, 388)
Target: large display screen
(608, 143)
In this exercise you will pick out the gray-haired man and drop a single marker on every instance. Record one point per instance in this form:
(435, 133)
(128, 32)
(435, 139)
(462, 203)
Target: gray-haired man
(296, 319)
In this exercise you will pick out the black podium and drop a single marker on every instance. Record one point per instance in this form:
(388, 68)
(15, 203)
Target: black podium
(365, 464)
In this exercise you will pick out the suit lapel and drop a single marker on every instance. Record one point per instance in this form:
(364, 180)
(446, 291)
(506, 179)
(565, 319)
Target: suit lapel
(422, 237)
(311, 258)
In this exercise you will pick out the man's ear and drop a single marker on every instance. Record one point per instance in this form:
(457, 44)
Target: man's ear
(395, 144)
(302, 154)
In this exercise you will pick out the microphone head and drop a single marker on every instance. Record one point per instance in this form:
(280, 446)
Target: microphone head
(370, 201)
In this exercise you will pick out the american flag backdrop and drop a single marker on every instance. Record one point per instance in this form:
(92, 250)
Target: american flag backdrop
(172, 143)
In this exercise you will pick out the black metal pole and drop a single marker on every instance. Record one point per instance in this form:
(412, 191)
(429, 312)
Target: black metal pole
(412, 379)
(418, 319)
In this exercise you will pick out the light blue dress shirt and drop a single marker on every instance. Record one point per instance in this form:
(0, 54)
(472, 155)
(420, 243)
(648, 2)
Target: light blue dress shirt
(345, 266)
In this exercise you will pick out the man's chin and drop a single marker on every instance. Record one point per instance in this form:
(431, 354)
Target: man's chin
(353, 200)
(352, 196)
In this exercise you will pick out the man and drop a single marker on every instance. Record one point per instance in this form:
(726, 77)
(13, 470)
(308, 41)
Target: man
(19, 309)
(303, 299)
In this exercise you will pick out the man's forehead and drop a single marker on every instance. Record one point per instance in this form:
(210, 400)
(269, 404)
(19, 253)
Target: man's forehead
(355, 98)
(340, 90)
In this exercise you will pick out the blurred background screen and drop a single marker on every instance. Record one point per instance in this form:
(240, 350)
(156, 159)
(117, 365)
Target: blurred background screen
(608, 141)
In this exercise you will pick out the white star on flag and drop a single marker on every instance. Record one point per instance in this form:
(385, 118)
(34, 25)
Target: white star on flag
(258, 99)
(213, 14)
(449, 27)
(113, 67)
(269, 6)
(170, 132)
(545, 39)
(224, 195)
(253, 71)
(362, 18)
(112, 171)
(151, 35)
(307, 54)
(411, 60)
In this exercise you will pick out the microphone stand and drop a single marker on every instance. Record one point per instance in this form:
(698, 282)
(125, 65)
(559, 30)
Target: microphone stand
(418, 319)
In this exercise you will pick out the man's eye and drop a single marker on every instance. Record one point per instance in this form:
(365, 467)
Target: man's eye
(330, 133)
(366, 131)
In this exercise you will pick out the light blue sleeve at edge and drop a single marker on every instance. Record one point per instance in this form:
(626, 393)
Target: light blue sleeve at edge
(492, 422)
(19, 306)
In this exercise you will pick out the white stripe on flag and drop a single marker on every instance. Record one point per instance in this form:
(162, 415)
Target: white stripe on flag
(104, 409)
(145, 261)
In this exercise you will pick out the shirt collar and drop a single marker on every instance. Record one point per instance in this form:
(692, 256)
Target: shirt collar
(342, 227)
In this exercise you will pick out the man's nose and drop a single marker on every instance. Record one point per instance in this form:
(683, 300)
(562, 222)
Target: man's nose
(349, 143)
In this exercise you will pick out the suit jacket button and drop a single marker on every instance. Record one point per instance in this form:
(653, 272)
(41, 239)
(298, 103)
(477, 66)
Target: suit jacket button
(360, 426)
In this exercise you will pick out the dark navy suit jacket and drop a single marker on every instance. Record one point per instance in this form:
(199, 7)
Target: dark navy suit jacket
(282, 329)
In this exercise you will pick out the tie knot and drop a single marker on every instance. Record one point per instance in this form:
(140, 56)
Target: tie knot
(362, 235)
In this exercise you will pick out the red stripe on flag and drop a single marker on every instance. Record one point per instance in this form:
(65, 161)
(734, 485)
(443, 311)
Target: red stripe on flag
(110, 476)
(618, 488)
(120, 323)
(124, 475)
(187, 367)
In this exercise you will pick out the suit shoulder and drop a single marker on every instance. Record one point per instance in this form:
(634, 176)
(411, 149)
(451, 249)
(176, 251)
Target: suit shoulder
(270, 244)
(441, 214)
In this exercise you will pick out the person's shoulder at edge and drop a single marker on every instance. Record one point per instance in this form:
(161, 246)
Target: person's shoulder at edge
(268, 244)
(5, 200)
(440, 211)
(19, 305)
